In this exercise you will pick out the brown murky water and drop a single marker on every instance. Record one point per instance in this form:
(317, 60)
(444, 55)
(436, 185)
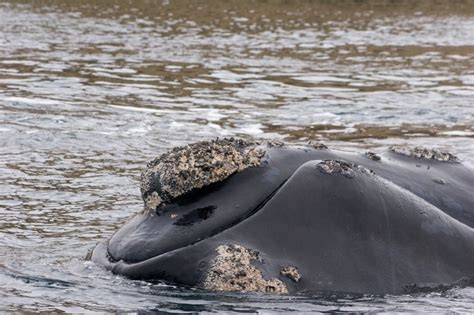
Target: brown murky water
(91, 90)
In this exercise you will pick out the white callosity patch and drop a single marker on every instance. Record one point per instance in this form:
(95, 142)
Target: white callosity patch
(373, 156)
(341, 167)
(232, 270)
(425, 153)
(275, 143)
(194, 166)
(317, 145)
(291, 272)
(153, 200)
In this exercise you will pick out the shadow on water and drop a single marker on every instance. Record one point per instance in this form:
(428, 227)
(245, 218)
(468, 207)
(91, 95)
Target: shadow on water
(91, 90)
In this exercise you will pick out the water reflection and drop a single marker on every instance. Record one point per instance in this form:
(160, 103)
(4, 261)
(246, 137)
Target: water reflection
(90, 91)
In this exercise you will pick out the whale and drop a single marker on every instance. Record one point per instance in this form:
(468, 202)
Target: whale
(249, 216)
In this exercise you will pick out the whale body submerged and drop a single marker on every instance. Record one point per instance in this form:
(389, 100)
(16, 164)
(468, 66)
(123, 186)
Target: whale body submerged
(237, 215)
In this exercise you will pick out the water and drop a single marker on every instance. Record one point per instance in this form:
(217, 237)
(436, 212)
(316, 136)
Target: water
(91, 90)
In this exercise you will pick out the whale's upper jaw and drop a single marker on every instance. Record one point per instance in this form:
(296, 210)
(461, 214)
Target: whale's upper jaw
(179, 225)
(196, 215)
(185, 192)
(205, 210)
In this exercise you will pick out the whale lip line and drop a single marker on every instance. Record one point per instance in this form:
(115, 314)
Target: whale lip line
(115, 261)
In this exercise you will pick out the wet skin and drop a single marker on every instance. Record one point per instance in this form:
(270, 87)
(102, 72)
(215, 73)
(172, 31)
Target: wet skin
(407, 222)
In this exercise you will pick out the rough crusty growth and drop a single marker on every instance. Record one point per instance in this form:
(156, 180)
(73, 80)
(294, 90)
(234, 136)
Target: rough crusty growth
(341, 167)
(373, 156)
(275, 143)
(317, 145)
(153, 200)
(232, 270)
(194, 166)
(425, 153)
(291, 272)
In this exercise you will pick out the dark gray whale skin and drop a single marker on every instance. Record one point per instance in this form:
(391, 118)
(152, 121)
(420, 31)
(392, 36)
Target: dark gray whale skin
(410, 221)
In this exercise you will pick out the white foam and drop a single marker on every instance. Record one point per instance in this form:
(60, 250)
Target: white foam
(32, 101)
(320, 78)
(147, 109)
(459, 133)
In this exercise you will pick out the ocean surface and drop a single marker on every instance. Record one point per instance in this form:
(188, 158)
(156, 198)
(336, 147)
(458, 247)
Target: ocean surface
(92, 90)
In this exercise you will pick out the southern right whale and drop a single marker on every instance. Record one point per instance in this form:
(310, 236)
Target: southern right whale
(239, 215)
